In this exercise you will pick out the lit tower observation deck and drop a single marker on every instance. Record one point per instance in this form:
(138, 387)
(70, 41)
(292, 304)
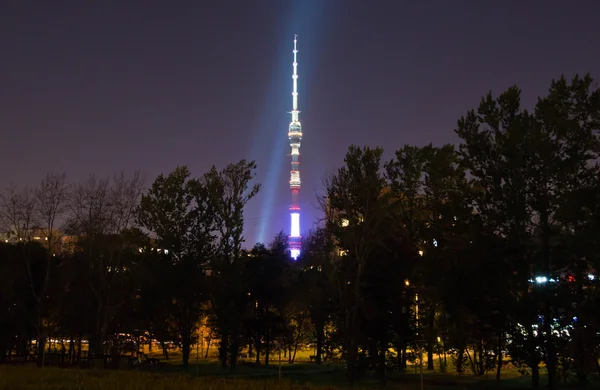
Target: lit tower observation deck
(295, 136)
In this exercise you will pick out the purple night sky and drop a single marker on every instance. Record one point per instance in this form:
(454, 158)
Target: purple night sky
(104, 86)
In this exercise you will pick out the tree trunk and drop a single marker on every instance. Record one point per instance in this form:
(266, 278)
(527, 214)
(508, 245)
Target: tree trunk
(460, 360)
(223, 348)
(186, 347)
(233, 353)
(165, 350)
(41, 351)
(499, 353)
(430, 337)
(429, 357)
(320, 331)
(207, 348)
(381, 361)
(257, 348)
(71, 350)
(79, 342)
(351, 345)
(351, 360)
(95, 345)
(25, 347)
(373, 357)
(551, 357)
(481, 359)
(535, 375)
(267, 336)
(267, 348)
(295, 350)
(584, 346)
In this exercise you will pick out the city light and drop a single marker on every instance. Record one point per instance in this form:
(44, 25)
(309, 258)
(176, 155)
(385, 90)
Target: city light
(541, 279)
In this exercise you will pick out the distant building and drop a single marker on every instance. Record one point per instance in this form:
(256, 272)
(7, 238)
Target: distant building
(55, 239)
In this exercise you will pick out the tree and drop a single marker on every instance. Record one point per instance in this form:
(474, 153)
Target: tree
(564, 170)
(18, 212)
(229, 191)
(101, 215)
(528, 168)
(405, 175)
(357, 207)
(179, 211)
(444, 192)
(495, 151)
(52, 199)
(30, 215)
(316, 281)
(268, 279)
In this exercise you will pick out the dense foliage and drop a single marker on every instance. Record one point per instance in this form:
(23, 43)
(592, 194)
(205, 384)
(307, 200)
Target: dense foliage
(475, 256)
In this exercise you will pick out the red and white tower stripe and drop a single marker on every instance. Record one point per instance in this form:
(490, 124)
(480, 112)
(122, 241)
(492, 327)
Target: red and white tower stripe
(295, 137)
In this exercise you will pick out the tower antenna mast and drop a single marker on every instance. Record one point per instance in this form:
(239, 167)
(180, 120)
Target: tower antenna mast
(295, 137)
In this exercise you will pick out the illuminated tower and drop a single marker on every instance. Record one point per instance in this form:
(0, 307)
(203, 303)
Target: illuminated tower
(295, 136)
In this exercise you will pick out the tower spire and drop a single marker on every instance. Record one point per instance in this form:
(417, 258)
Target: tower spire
(295, 137)
(295, 111)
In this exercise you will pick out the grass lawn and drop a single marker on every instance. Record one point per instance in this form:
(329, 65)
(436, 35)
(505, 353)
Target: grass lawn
(207, 374)
(301, 376)
(30, 378)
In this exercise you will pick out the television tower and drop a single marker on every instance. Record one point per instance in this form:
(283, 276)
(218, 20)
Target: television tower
(295, 136)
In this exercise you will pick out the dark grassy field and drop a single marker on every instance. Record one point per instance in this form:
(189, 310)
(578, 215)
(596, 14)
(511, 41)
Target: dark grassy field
(30, 378)
(207, 374)
(210, 376)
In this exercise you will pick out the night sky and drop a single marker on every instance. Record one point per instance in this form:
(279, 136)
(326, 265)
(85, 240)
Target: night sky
(104, 86)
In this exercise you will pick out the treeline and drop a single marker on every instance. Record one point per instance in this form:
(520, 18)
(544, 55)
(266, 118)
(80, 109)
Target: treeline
(93, 261)
(476, 255)
(488, 251)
